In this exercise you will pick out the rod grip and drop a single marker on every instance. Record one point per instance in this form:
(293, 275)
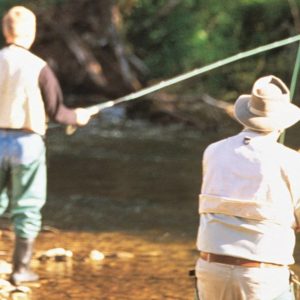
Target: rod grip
(70, 129)
(93, 110)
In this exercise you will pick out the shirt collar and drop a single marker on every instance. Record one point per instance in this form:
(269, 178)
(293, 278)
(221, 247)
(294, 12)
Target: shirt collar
(259, 136)
(15, 45)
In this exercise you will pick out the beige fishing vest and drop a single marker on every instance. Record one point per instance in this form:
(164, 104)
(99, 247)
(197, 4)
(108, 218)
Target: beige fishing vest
(248, 181)
(21, 104)
(280, 213)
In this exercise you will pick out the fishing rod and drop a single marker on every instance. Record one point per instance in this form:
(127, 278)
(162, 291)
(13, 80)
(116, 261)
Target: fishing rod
(292, 86)
(95, 109)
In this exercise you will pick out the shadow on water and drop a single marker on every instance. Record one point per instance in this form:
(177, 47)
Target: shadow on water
(132, 178)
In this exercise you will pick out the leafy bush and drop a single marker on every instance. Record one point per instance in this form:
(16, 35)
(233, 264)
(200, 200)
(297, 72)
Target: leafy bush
(195, 33)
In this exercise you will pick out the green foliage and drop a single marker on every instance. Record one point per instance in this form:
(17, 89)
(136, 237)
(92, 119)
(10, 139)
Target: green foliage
(174, 36)
(198, 32)
(164, 40)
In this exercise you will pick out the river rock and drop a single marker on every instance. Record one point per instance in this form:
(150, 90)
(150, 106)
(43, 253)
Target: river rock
(96, 255)
(57, 254)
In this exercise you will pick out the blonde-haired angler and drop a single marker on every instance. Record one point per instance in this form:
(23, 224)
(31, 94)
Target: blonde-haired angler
(29, 96)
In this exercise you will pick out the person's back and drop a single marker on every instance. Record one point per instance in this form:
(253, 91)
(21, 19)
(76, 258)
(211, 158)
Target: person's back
(248, 200)
(246, 185)
(21, 105)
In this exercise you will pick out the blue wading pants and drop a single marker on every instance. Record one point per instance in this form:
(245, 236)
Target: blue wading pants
(22, 180)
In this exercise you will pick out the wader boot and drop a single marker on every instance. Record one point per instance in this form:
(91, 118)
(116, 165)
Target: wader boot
(21, 261)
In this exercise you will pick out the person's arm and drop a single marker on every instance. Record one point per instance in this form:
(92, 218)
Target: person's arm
(291, 177)
(53, 100)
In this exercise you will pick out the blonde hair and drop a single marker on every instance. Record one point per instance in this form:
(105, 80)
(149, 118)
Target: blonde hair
(19, 22)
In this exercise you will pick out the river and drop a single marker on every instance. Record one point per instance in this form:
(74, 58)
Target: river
(129, 190)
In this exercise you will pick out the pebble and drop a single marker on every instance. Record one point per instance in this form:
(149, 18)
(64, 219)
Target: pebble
(9, 291)
(5, 267)
(96, 255)
(58, 254)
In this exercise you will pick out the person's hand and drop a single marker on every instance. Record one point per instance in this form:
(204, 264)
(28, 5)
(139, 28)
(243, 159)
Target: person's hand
(82, 116)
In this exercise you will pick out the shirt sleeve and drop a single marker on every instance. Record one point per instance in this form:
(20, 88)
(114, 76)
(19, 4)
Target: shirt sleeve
(53, 98)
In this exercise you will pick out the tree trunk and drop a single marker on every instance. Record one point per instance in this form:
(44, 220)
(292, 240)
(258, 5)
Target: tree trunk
(83, 43)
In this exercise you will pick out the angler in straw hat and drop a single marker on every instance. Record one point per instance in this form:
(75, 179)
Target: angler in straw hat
(249, 203)
(29, 95)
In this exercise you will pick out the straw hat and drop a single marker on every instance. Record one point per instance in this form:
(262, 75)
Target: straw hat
(268, 108)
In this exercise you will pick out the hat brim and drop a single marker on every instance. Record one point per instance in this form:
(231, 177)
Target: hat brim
(286, 117)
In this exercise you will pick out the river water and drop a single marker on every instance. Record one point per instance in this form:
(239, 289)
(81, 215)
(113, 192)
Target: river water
(128, 190)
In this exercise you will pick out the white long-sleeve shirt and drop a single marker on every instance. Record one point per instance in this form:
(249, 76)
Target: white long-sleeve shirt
(250, 198)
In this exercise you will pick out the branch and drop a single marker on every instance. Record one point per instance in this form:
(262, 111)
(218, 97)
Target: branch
(85, 58)
(82, 53)
(225, 106)
(119, 50)
(163, 12)
(169, 101)
(295, 13)
(168, 7)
